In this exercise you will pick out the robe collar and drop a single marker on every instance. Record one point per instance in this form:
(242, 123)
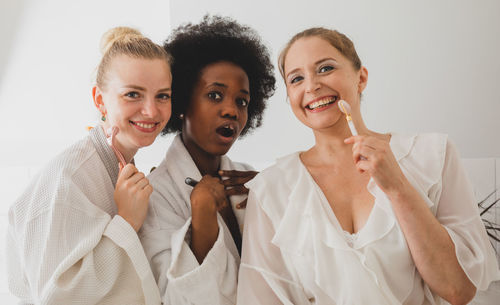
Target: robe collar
(180, 165)
(105, 152)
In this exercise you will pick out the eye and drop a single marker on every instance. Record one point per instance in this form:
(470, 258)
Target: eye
(132, 94)
(242, 102)
(164, 97)
(296, 79)
(325, 69)
(214, 95)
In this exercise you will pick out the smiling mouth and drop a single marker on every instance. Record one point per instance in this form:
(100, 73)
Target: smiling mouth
(226, 131)
(144, 125)
(322, 103)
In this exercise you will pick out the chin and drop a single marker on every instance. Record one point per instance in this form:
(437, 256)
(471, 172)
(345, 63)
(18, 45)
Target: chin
(220, 150)
(140, 143)
(322, 124)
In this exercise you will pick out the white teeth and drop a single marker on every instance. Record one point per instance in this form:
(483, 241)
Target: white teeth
(322, 102)
(145, 125)
(229, 126)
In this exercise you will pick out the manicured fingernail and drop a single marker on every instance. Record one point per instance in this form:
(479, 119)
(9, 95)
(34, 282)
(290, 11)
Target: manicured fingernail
(238, 206)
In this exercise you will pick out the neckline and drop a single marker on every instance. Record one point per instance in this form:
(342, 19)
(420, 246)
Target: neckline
(325, 204)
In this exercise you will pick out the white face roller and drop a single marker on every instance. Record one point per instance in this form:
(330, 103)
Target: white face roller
(346, 109)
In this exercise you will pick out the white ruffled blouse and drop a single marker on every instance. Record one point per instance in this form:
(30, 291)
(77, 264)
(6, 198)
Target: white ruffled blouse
(295, 251)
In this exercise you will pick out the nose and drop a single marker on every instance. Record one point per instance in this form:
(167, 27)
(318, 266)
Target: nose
(150, 108)
(229, 109)
(312, 84)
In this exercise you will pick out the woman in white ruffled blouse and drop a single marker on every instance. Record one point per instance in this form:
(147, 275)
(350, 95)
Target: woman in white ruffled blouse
(368, 219)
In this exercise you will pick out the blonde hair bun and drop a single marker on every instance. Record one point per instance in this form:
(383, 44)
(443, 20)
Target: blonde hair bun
(126, 41)
(119, 34)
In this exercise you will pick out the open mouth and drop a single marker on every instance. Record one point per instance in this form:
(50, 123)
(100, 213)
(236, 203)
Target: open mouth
(322, 103)
(226, 131)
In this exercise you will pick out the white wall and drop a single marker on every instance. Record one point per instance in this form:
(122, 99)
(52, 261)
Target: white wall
(433, 66)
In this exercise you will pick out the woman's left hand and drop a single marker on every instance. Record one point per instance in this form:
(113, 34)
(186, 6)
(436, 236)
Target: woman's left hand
(235, 183)
(374, 156)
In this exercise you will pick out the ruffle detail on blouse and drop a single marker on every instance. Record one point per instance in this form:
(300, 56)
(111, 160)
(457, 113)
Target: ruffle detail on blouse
(310, 231)
(414, 154)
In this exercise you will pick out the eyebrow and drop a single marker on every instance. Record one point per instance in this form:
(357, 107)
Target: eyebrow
(134, 87)
(316, 63)
(216, 84)
(143, 89)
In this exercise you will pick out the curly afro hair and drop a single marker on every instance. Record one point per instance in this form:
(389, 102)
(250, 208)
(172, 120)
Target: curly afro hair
(215, 39)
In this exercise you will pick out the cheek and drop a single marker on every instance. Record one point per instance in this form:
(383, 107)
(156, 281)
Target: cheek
(244, 116)
(194, 124)
(114, 113)
(297, 111)
(295, 102)
(290, 92)
(294, 96)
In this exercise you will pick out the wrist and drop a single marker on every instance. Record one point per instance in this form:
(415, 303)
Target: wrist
(204, 222)
(130, 221)
(202, 208)
(401, 191)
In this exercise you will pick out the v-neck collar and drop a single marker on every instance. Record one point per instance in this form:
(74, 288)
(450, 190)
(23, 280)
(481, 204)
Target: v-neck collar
(180, 165)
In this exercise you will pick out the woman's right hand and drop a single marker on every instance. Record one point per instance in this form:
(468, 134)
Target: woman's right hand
(131, 195)
(207, 198)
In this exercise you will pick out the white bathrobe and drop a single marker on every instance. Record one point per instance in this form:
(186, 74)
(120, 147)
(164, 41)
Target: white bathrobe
(66, 244)
(295, 251)
(165, 236)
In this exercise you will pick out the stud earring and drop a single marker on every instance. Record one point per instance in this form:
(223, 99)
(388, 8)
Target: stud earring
(103, 113)
(181, 116)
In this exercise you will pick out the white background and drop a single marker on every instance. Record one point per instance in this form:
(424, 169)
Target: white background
(433, 66)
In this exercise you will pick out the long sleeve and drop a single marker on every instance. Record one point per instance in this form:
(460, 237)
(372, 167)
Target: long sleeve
(66, 250)
(181, 279)
(458, 213)
(264, 277)
(16, 277)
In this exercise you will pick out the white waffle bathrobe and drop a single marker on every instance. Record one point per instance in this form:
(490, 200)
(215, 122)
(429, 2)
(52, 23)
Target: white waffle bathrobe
(66, 245)
(165, 236)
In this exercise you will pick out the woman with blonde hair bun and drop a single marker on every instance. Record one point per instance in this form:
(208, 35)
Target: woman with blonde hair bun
(72, 234)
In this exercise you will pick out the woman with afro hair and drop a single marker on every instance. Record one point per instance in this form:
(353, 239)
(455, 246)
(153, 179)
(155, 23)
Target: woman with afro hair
(222, 78)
